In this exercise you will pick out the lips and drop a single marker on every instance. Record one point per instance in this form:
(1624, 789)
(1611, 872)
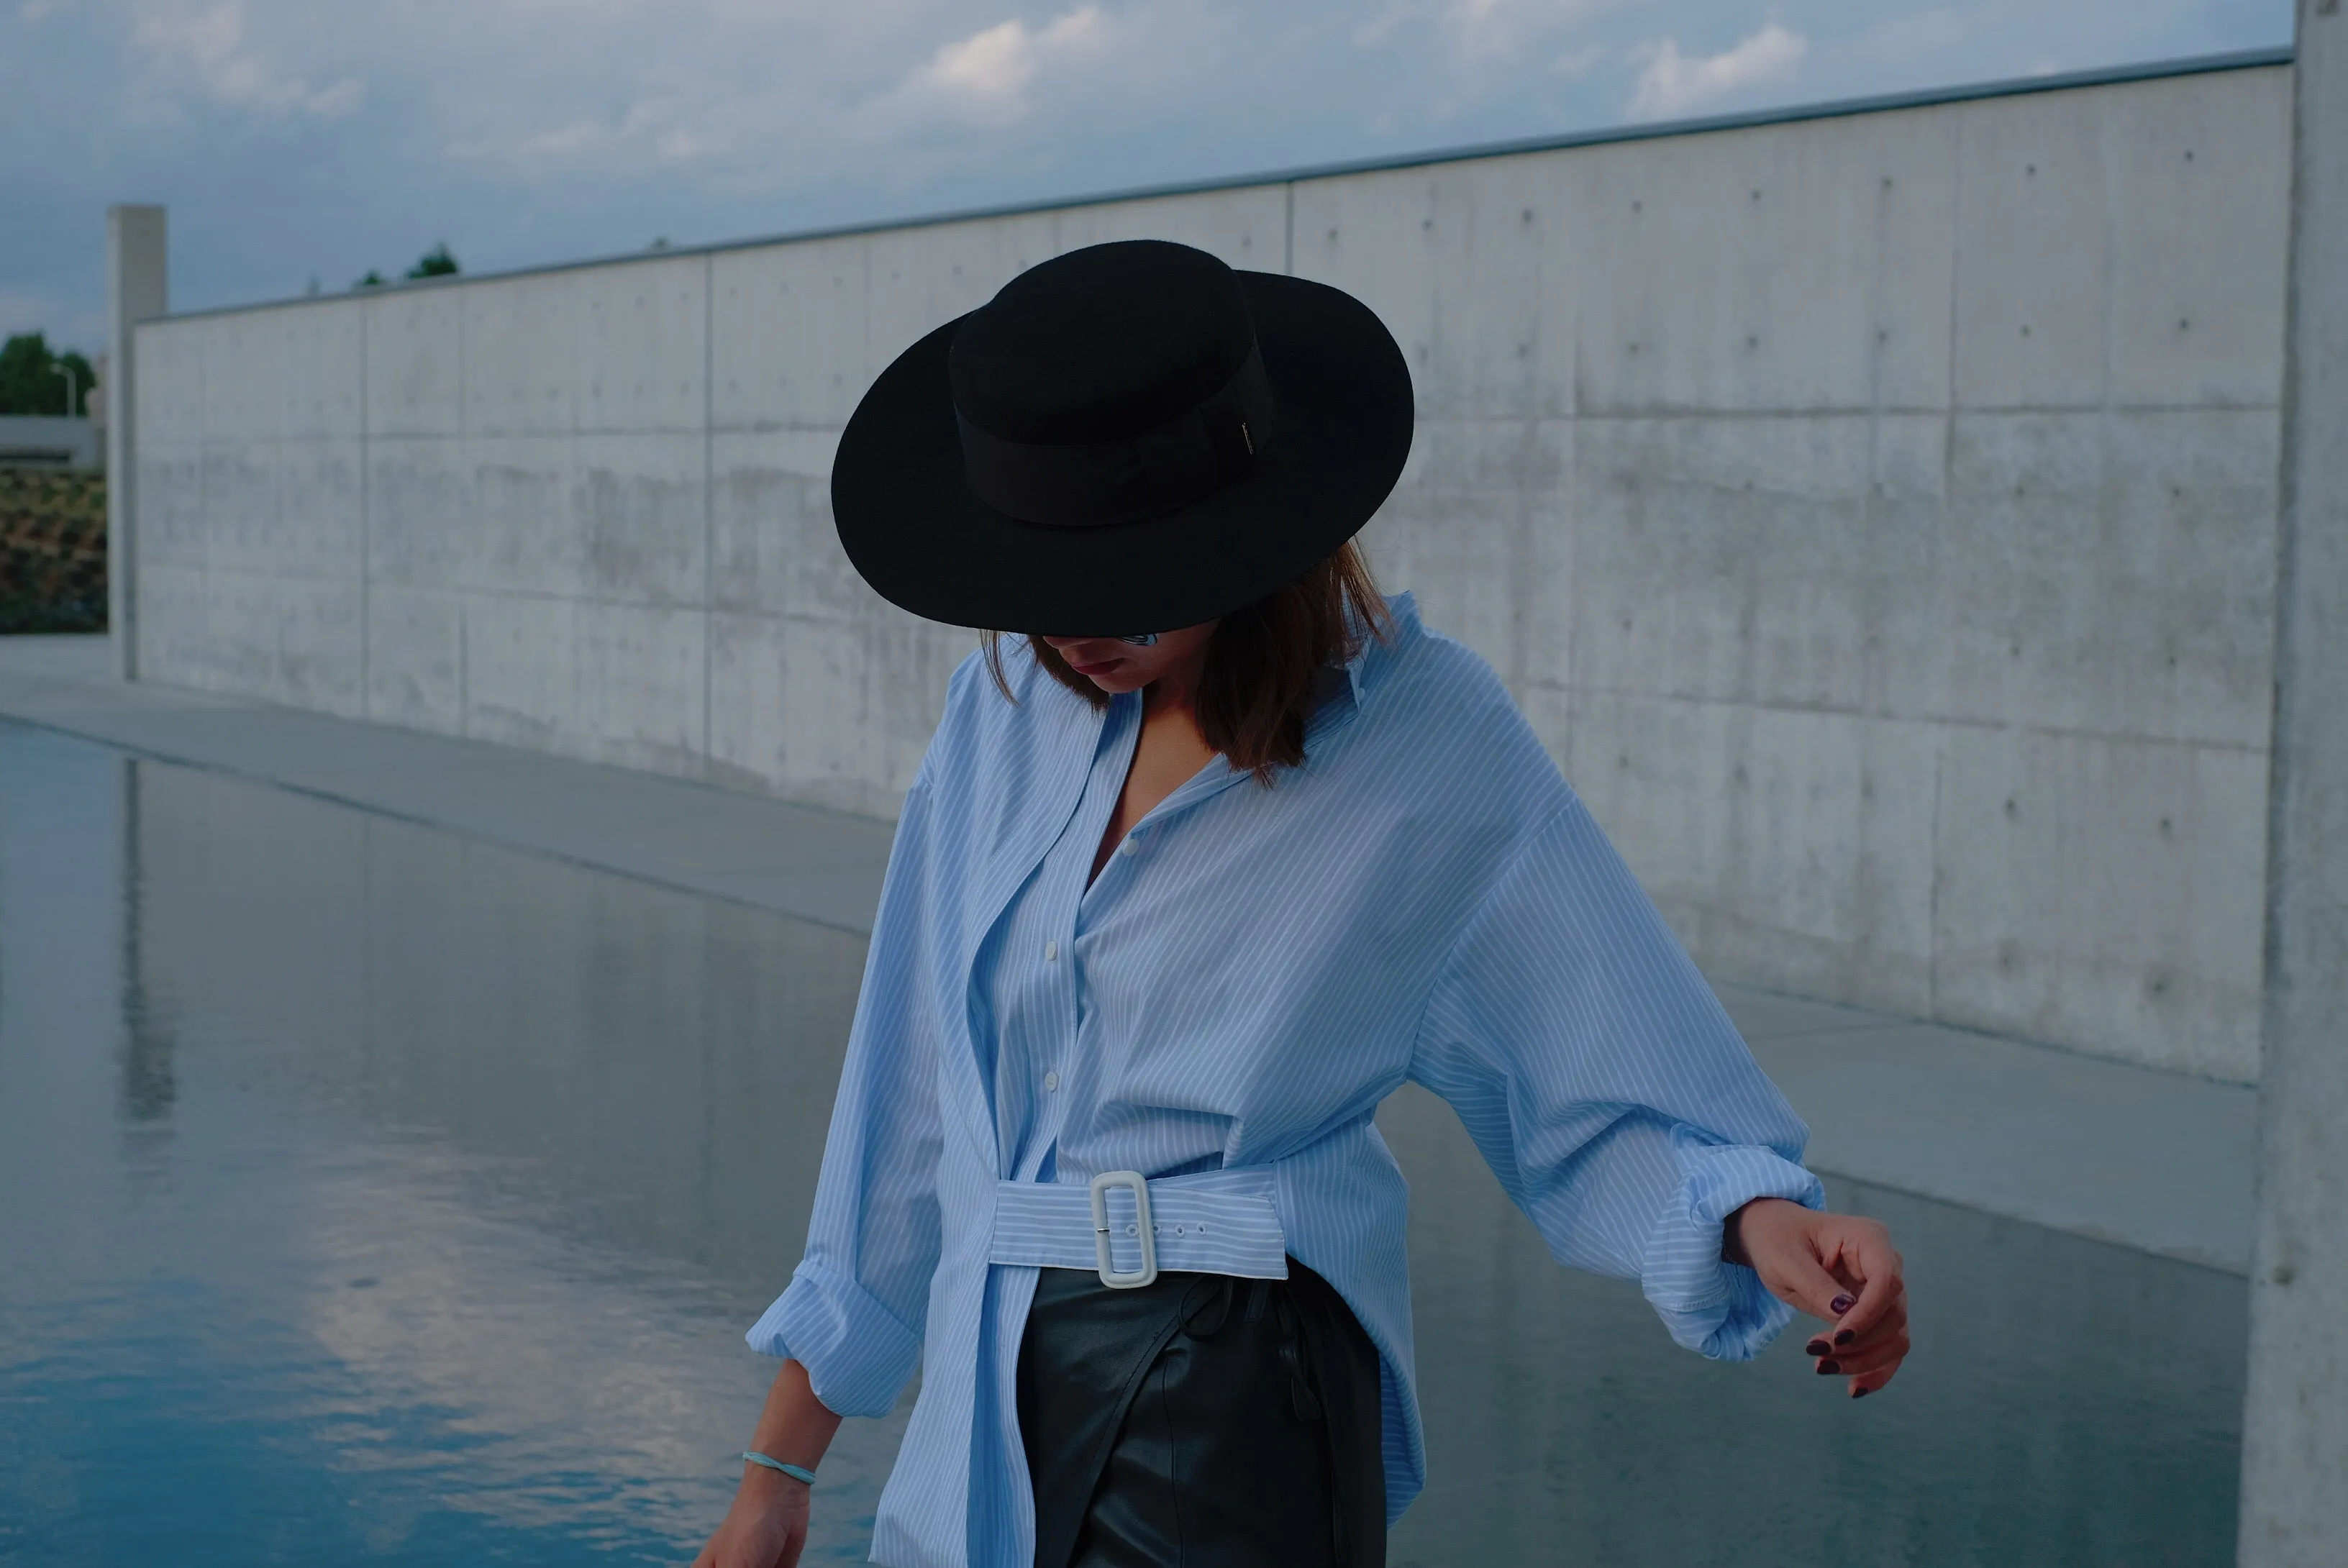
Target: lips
(1096, 669)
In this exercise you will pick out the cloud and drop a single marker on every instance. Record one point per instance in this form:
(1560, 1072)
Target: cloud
(210, 43)
(1672, 83)
(1478, 27)
(292, 137)
(649, 132)
(1499, 26)
(982, 79)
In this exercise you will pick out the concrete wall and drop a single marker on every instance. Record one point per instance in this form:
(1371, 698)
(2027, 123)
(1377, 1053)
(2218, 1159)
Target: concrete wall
(2295, 1436)
(1875, 514)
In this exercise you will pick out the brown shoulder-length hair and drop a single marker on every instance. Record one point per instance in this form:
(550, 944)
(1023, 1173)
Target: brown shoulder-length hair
(1263, 662)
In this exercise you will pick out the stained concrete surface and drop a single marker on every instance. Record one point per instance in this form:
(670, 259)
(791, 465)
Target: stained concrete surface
(2295, 1439)
(814, 865)
(2156, 1161)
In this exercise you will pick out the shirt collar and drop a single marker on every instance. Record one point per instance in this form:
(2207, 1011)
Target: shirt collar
(1372, 655)
(1336, 702)
(1339, 701)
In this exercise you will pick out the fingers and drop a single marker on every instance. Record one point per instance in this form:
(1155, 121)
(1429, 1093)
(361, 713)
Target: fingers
(1843, 1351)
(1804, 1282)
(1845, 1341)
(1873, 1355)
(1869, 1337)
(1864, 1246)
(1868, 1383)
(1843, 1269)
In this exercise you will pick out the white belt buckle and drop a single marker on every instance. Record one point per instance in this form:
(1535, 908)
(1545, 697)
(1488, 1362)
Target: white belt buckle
(1148, 1273)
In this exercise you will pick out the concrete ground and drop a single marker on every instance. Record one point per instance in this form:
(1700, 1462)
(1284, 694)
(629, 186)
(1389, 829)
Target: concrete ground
(2140, 1157)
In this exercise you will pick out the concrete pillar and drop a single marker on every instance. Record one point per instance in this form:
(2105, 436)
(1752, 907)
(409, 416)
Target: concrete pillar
(134, 289)
(2295, 1431)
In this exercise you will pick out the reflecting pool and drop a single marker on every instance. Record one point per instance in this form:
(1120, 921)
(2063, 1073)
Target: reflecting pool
(369, 1195)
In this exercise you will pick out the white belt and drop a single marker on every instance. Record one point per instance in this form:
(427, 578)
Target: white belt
(1128, 1229)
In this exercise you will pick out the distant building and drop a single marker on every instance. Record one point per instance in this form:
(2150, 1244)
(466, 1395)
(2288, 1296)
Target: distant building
(50, 441)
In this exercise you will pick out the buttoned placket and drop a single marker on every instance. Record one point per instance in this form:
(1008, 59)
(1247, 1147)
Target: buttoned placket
(1040, 1049)
(1036, 1049)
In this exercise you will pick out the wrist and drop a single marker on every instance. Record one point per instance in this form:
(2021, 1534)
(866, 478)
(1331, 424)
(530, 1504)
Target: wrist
(759, 1458)
(762, 1485)
(1736, 1240)
(793, 1431)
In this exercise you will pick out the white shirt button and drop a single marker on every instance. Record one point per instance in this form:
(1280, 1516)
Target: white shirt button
(1052, 1083)
(1051, 951)
(1131, 847)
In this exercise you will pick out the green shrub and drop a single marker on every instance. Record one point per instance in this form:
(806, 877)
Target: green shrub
(52, 551)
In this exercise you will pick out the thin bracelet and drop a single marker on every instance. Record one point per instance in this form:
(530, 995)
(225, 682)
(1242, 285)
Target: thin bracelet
(796, 1472)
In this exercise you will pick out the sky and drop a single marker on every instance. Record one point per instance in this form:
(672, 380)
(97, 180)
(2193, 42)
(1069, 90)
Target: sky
(302, 140)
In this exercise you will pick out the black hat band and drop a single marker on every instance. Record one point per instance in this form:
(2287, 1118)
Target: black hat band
(1094, 483)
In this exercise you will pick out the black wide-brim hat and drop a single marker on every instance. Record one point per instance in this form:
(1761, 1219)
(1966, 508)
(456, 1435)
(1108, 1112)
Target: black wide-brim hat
(1130, 438)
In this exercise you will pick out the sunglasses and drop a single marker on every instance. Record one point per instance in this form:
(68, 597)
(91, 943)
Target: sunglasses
(1146, 640)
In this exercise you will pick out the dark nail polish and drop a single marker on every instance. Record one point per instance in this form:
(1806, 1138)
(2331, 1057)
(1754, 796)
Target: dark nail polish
(1858, 1393)
(1841, 1304)
(1818, 1347)
(1829, 1368)
(1845, 1338)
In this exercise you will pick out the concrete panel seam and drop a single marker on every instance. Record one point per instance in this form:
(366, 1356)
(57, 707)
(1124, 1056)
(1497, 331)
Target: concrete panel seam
(367, 536)
(708, 490)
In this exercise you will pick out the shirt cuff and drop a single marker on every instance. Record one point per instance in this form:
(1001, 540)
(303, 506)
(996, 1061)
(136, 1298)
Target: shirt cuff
(1718, 1308)
(859, 1354)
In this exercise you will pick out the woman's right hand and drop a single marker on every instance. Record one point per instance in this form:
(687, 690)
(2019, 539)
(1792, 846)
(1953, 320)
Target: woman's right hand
(766, 1528)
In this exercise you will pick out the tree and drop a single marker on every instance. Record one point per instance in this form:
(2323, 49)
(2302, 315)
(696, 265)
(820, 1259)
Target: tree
(436, 263)
(35, 381)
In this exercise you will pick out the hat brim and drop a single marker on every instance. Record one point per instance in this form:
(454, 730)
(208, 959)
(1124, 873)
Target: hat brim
(914, 530)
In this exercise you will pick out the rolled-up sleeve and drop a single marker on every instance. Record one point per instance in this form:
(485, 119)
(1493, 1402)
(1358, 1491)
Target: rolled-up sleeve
(1607, 1089)
(853, 1310)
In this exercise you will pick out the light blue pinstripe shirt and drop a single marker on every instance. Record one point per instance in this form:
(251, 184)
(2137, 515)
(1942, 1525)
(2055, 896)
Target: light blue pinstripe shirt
(1424, 899)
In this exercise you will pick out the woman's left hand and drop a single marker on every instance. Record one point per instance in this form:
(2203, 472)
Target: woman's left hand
(1835, 1266)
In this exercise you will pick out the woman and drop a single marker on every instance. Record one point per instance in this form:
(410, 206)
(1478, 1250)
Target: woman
(1193, 875)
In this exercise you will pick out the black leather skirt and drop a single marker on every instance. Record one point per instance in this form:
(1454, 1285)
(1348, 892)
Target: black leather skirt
(1199, 1420)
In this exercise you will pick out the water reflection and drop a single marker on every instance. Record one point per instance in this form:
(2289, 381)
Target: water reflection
(369, 1193)
(2070, 1403)
(665, 1059)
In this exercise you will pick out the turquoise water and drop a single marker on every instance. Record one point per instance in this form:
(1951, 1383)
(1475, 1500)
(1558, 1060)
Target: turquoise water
(371, 1195)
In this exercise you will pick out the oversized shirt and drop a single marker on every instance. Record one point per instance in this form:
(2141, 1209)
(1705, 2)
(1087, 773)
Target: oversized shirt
(1425, 899)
